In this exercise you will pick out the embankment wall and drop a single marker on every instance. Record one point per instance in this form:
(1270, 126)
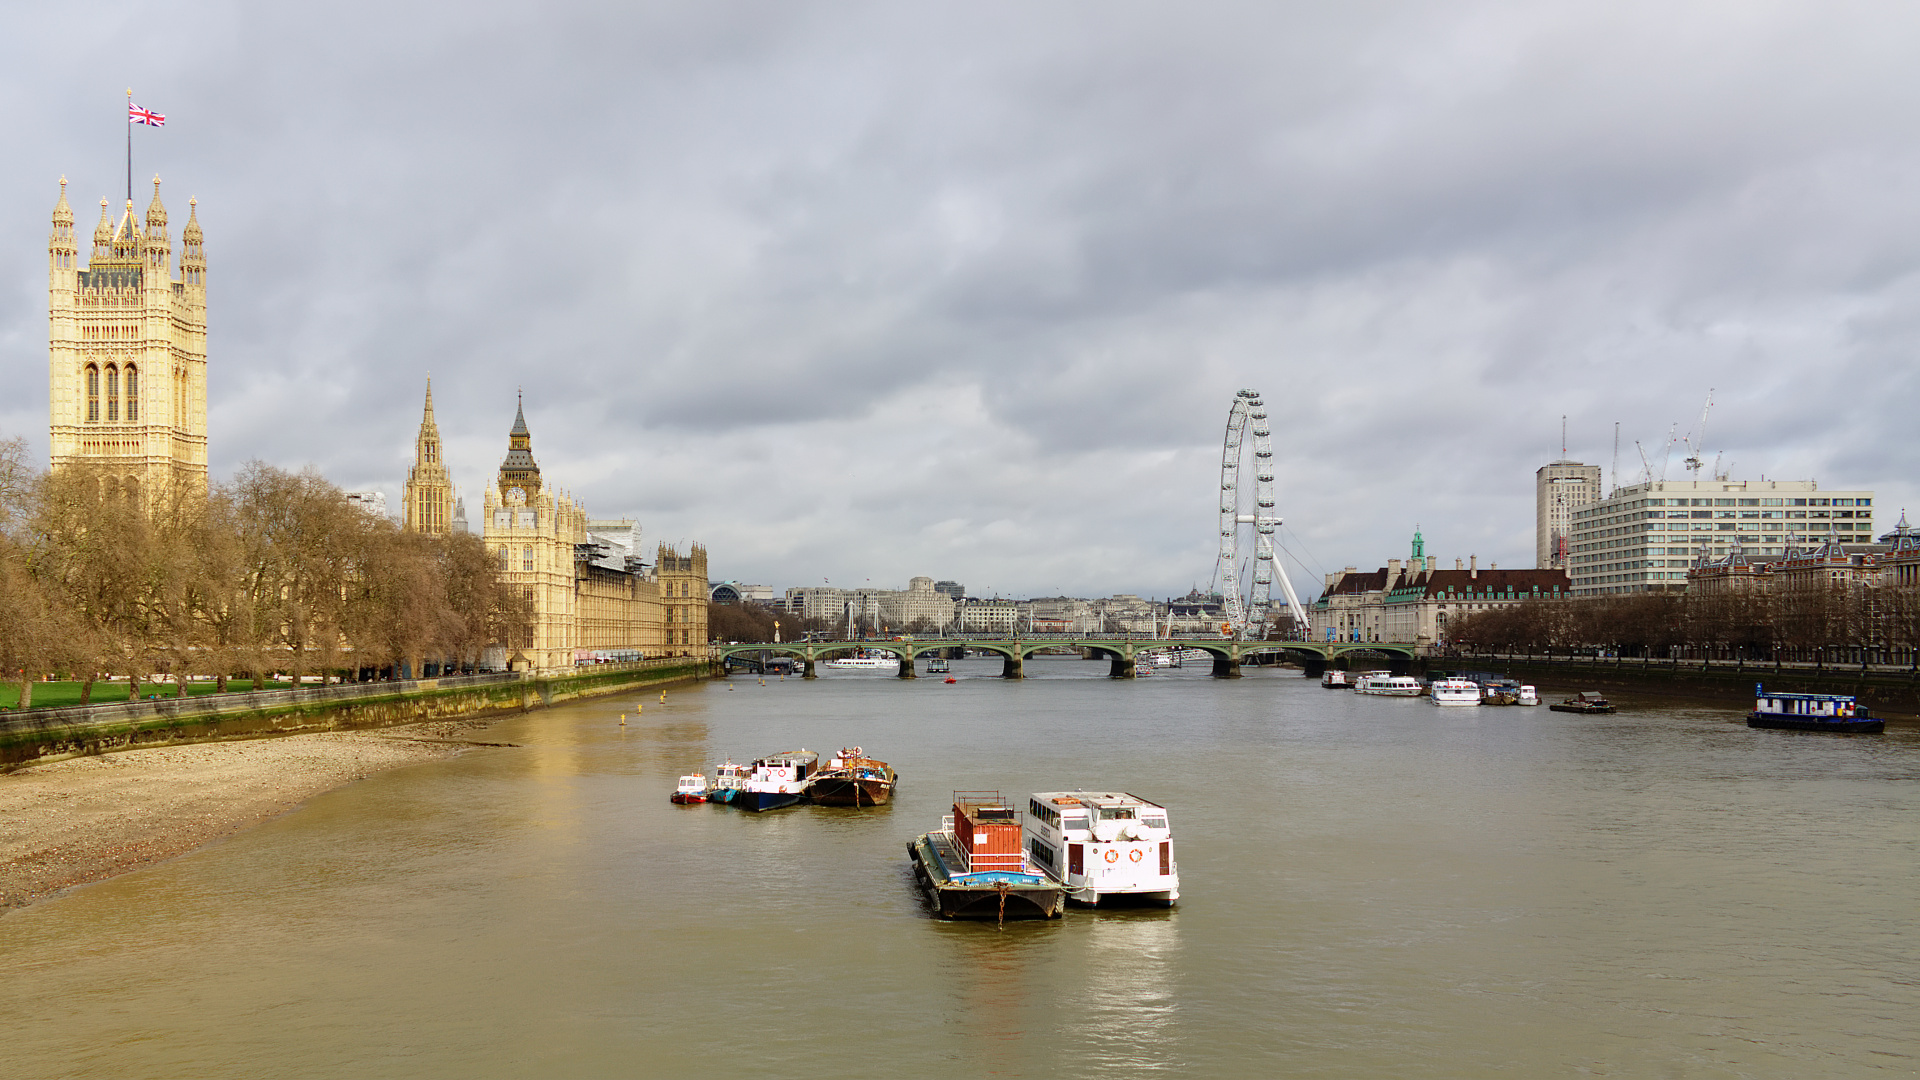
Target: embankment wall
(1888, 691)
(34, 737)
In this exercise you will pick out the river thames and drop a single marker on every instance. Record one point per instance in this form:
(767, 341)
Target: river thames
(1370, 887)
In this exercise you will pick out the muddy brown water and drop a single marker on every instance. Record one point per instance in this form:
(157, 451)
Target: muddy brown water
(1371, 887)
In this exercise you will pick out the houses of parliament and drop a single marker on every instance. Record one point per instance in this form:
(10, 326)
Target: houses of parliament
(127, 396)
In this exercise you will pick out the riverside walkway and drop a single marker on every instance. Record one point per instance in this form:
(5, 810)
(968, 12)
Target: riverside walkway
(1122, 651)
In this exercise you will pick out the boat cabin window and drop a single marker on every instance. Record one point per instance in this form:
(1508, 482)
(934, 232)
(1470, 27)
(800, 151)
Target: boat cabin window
(1074, 821)
(1154, 822)
(1116, 813)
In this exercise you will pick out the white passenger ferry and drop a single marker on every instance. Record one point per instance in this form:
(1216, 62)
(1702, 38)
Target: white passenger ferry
(1103, 845)
(1384, 684)
(867, 660)
(1455, 692)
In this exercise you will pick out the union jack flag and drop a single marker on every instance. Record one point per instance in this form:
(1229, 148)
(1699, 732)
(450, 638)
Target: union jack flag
(138, 115)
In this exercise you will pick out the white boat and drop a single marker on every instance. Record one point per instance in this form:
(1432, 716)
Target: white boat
(1191, 656)
(1529, 696)
(777, 780)
(1381, 685)
(866, 660)
(1455, 692)
(1103, 845)
(1335, 679)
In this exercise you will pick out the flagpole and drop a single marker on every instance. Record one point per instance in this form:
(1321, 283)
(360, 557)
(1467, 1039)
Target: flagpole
(129, 144)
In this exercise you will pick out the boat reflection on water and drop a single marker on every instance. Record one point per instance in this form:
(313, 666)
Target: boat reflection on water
(1128, 993)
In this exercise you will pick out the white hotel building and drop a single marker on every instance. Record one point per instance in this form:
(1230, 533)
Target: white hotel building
(1644, 536)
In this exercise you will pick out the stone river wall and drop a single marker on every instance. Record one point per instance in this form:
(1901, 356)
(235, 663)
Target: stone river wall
(1888, 690)
(51, 734)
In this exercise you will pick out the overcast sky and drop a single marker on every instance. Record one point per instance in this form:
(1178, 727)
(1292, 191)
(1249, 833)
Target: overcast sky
(858, 291)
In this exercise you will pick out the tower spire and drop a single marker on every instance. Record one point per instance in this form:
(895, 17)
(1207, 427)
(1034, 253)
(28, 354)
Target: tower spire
(428, 494)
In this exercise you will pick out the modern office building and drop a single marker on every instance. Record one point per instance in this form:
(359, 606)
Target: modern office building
(1558, 490)
(1644, 537)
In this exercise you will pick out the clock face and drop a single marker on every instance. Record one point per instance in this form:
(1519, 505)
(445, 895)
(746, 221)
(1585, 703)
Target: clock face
(516, 495)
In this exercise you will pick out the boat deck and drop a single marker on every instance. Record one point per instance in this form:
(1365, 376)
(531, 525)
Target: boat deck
(985, 895)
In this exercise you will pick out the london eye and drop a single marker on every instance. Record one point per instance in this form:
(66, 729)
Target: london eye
(1246, 512)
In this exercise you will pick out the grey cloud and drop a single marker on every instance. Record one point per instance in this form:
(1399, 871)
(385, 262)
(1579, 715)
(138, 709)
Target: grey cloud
(875, 290)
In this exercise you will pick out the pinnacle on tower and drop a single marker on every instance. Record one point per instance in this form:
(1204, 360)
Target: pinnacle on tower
(156, 214)
(191, 233)
(60, 249)
(103, 233)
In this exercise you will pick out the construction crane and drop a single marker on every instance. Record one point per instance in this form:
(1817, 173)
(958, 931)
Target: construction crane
(1697, 441)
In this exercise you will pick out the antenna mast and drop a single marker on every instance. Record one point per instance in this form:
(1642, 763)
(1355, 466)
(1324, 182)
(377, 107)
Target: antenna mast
(1563, 436)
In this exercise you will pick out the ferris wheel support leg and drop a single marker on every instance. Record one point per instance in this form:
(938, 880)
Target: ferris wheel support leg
(1293, 599)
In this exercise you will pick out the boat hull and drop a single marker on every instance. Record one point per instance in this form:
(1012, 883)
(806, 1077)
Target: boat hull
(1583, 710)
(1834, 727)
(981, 896)
(846, 791)
(758, 801)
(1411, 692)
(681, 798)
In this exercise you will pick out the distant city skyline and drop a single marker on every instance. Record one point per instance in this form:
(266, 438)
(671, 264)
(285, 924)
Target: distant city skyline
(848, 292)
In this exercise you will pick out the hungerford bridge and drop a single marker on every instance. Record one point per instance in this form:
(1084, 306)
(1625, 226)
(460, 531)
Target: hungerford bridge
(1121, 651)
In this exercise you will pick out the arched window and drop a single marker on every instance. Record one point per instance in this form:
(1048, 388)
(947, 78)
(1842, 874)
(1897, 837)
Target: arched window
(526, 558)
(93, 394)
(133, 394)
(504, 557)
(113, 394)
(429, 451)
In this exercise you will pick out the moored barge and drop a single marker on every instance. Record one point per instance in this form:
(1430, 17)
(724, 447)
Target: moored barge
(1586, 703)
(972, 866)
(1832, 713)
(853, 779)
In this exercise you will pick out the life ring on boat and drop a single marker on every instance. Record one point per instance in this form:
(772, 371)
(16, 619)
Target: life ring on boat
(1112, 855)
(1136, 854)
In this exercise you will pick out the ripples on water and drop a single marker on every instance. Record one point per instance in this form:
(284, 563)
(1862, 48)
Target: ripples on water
(1370, 887)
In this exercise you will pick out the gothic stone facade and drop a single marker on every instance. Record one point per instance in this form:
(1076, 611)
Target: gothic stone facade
(589, 590)
(427, 498)
(127, 351)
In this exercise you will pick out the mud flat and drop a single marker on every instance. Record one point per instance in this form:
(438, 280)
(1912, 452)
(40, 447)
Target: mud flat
(80, 820)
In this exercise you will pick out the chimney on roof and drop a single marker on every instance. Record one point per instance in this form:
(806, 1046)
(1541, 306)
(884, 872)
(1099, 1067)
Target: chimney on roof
(1393, 572)
(1459, 565)
(1473, 566)
(1493, 566)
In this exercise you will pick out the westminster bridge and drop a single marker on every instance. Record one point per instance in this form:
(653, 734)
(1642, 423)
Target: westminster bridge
(1122, 651)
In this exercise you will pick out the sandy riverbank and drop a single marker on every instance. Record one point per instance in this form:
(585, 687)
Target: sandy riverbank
(86, 819)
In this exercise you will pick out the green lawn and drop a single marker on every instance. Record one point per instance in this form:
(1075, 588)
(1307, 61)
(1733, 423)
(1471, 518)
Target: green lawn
(54, 695)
